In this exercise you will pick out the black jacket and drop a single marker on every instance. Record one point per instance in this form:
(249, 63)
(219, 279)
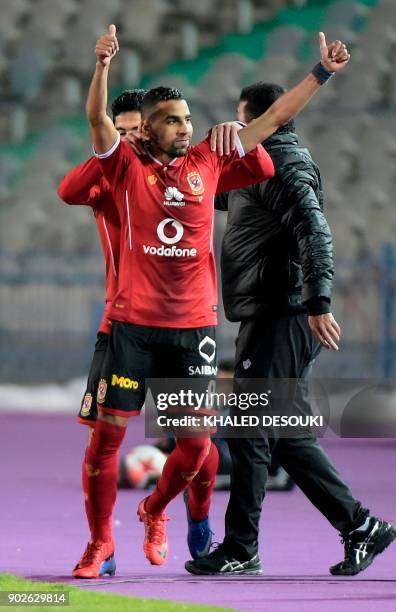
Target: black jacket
(277, 255)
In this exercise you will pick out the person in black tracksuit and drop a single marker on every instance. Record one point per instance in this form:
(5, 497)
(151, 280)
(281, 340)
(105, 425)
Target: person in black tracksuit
(277, 270)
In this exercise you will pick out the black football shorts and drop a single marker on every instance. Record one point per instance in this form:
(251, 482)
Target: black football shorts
(136, 353)
(88, 410)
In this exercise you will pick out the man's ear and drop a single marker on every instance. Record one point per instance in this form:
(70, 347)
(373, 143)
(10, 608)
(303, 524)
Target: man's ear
(145, 129)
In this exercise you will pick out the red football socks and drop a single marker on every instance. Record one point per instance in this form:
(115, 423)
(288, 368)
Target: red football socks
(181, 467)
(100, 478)
(201, 488)
(88, 506)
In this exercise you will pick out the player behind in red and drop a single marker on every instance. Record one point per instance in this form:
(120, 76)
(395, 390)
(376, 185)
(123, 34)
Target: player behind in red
(86, 185)
(164, 312)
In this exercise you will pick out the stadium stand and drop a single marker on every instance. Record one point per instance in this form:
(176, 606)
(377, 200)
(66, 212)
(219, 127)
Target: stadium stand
(210, 49)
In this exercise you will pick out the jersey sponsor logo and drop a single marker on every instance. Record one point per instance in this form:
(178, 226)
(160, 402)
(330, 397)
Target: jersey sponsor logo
(124, 383)
(173, 197)
(102, 388)
(177, 235)
(87, 403)
(195, 182)
(172, 251)
(152, 179)
(170, 232)
(207, 349)
(202, 370)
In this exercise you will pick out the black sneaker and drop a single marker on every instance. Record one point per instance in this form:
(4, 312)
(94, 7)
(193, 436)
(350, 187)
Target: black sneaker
(362, 546)
(219, 562)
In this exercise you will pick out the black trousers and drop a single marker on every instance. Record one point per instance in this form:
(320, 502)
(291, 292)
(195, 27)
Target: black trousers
(281, 348)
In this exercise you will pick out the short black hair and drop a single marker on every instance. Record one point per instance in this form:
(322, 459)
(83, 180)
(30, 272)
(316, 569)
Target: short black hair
(160, 94)
(129, 101)
(259, 97)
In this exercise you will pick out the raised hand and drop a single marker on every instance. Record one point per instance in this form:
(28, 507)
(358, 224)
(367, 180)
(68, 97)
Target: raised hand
(107, 46)
(333, 56)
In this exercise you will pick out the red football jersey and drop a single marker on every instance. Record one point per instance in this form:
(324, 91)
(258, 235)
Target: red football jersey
(167, 272)
(86, 185)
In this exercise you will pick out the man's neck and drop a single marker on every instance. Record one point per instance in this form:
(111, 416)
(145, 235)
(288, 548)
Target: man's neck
(158, 153)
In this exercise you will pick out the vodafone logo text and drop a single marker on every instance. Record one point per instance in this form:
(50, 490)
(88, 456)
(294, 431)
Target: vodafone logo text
(170, 232)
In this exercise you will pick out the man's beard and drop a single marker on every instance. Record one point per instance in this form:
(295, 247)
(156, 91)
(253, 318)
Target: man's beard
(173, 151)
(177, 152)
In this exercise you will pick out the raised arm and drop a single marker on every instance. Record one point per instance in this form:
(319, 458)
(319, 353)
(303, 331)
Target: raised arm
(103, 132)
(333, 58)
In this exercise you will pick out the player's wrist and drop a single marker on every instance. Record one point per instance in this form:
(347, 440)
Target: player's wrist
(321, 73)
(100, 66)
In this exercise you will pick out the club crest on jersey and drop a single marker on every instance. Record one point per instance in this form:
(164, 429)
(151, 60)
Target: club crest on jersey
(195, 182)
(87, 403)
(152, 179)
(102, 388)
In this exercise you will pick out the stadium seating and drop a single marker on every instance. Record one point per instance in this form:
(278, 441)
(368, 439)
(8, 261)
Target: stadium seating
(60, 51)
(47, 59)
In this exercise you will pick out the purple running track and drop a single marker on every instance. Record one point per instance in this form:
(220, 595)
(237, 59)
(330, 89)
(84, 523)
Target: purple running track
(43, 530)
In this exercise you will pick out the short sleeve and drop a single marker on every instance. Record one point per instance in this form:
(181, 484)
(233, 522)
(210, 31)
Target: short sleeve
(116, 161)
(80, 186)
